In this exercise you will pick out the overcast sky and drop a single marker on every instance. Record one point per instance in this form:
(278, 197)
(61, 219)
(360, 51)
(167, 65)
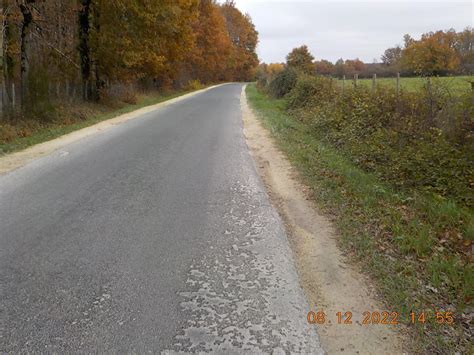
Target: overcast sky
(348, 29)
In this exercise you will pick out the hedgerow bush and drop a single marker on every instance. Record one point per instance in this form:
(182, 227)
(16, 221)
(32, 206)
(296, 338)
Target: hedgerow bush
(420, 140)
(283, 83)
(310, 91)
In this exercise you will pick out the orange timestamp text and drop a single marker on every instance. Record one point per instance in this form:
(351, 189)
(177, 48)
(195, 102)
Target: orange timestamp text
(377, 317)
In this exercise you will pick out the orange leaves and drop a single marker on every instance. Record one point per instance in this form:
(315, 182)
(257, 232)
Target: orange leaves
(213, 47)
(301, 59)
(434, 54)
(173, 40)
(134, 39)
(243, 62)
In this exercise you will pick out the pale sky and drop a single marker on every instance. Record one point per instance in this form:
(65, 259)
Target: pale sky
(350, 28)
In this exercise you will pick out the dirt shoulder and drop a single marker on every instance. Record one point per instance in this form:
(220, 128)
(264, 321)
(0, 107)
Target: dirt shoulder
(16, 160)
(330, 283)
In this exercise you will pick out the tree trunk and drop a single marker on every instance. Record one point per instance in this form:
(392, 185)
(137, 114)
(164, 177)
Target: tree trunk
(25, 47)
(8, 58)
(84, 45)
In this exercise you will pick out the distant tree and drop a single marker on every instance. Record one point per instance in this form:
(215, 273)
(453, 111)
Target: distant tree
(407, 40)
(301, 59)
(433, 54)
(324, 67)
(275, 68)
(339, 68)
(392, 56)
(267, 72)
(465, 48)
(353, 66)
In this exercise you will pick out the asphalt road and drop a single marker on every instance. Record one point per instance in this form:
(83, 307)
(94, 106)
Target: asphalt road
(155, 235)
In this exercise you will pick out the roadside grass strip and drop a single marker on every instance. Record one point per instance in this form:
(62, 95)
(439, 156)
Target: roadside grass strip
(393, 235)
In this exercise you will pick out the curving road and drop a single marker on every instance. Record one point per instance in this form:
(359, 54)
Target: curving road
(154, 235)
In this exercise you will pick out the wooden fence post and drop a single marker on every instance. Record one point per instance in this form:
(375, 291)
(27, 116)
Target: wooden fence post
(343, 84)
(356, 77)
(431, 102)
(374, 82)
(398, 84)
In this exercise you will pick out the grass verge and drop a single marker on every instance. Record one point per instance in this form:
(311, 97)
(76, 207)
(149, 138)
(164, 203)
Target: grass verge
(75, 117)
(382, 228)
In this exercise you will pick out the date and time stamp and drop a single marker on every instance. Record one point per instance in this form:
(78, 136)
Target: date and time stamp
(379, 318)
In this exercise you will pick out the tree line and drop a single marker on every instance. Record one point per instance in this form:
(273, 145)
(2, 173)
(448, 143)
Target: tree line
(159, 44)
(435, 53)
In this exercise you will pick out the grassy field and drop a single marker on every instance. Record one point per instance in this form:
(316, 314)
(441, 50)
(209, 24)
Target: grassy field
(73, 118)
(379, 226)
(456, 84)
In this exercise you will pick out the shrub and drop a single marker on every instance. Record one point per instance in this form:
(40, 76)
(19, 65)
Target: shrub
(283, 83)
(7, 133)
(310, 91)
(129, 95)
(420, 140)
(193, 85)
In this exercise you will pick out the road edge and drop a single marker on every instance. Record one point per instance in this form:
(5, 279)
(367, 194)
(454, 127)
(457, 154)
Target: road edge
(329, 282)
(16, 160)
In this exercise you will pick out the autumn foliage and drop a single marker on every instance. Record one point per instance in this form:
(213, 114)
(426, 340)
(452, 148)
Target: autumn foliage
(97, 43)
(433, 54)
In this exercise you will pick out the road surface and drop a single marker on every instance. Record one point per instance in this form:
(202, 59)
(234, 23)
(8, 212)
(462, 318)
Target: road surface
(154, 235)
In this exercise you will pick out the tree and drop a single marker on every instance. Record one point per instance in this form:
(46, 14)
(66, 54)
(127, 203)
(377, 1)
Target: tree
(84, 47)
(339, 69)
(26, 9)
(275, 68)
(324, 67)
(301, 59)
(407, 40)
(354, 66)
(433, 54)
(392, 56)
(52, 43)
(211, 55)
(464, 47)
(11, 47)
(152, 40)
(243, 61)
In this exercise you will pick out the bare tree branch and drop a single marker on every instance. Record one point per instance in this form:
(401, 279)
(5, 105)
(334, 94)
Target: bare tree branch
(57, 50)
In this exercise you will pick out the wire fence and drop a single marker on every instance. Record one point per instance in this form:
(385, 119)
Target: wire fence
(66, 91)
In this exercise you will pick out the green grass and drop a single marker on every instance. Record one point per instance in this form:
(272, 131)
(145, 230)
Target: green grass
(390, 233)
(456, 84)
(98, 114)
